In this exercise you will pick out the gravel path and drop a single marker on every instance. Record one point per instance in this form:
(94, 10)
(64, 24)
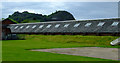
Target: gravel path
(97, 52)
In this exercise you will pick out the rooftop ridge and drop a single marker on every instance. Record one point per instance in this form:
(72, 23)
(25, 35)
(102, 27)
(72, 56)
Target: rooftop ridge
(68, 21)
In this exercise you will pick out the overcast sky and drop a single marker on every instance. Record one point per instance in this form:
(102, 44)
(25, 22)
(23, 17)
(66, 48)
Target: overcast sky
(80, 10)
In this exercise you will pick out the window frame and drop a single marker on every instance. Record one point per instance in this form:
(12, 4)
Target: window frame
(57, 25)
(66, 25)
(88, 24)
(34, 26)
(48, 26)
(41, 26)
(16, 27)
(101, 23)
(115, 24)
(27, 26)
(76, 25)
(21, 27)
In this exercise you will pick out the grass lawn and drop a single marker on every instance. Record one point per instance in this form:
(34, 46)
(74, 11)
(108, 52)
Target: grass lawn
(18, 50)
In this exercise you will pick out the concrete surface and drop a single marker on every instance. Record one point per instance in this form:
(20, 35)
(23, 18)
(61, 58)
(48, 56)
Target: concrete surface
(97, 52)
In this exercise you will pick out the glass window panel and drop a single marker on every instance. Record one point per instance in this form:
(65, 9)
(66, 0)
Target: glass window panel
(48, 26)
(115, 23)
(16, 27)
(21, 26)
(34, 26)
(88, 24)
(101, 24)
(57, 25)
(41, 26)
(66, 25)
(27, 26)
(76, 25)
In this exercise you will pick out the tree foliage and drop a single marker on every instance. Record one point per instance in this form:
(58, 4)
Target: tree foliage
(26, 17)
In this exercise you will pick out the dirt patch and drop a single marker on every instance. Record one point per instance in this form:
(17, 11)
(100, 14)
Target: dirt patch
(97, 52)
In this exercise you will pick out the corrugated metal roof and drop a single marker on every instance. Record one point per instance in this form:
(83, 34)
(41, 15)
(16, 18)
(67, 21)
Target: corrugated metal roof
(68, 26)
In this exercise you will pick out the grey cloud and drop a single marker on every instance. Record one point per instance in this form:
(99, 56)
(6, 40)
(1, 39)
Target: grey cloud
(94, 10)
(80, 10)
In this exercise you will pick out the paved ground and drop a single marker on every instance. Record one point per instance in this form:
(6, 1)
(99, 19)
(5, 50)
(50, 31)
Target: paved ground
(97, 52)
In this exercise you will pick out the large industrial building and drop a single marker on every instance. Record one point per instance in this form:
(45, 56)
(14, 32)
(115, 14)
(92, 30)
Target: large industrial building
(85, 27)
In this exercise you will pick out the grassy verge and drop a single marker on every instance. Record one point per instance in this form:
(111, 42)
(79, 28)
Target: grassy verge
(16, 50)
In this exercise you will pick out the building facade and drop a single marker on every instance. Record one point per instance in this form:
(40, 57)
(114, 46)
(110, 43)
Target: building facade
(82, 27)
(6, 32)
